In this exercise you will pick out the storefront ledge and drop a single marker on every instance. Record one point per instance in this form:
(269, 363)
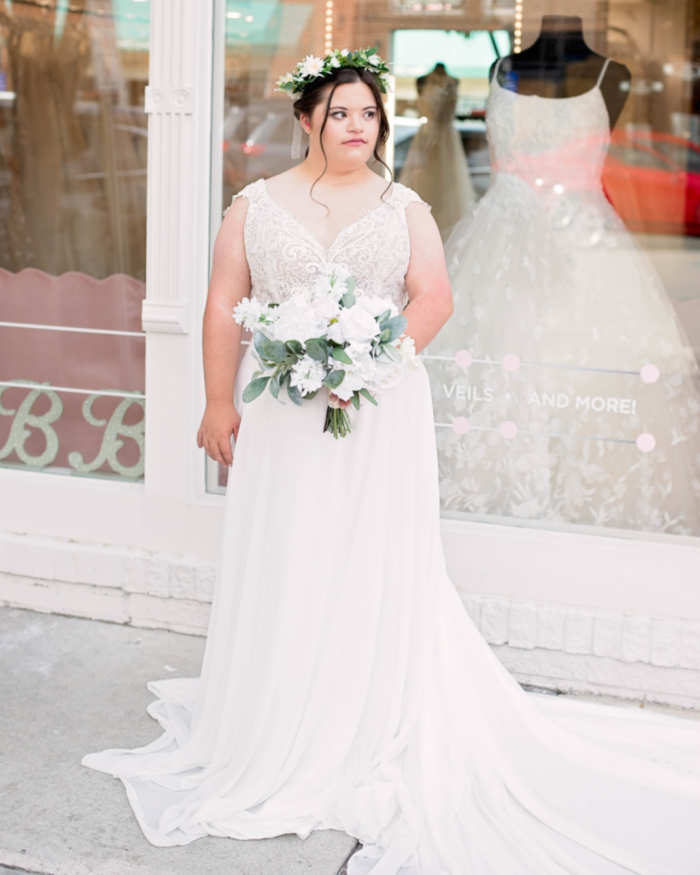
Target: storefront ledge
(578, 650)
(166, 317)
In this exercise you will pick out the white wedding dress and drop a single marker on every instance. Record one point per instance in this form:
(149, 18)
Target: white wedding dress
(344, 685)
(545, 270)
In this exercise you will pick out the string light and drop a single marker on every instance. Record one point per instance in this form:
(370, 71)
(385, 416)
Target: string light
(518, 27)
(329, 26)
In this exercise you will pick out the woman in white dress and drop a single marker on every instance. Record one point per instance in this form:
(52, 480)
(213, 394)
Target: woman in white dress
(343, 684)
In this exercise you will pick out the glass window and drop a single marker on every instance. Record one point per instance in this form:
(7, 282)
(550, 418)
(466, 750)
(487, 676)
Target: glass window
(566, 385)
(73, 146)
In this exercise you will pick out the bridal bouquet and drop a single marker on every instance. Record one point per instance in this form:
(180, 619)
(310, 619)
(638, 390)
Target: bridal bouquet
(330, 335)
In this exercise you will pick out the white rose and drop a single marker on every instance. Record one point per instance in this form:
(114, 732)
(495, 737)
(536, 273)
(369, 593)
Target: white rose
(325, 308)
(375, 305)
(388, 374)
(297, 320)
(354, 324)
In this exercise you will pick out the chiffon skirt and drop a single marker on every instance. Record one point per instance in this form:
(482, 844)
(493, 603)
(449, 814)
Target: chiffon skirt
(344, 685)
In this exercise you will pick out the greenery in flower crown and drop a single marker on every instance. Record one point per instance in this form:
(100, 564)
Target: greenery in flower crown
(312, 68)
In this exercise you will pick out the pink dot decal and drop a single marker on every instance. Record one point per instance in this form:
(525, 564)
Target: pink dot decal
(463, 358)
(646, 442)
(460, 425)
(508, 430)
(511, 362)
(650, 373)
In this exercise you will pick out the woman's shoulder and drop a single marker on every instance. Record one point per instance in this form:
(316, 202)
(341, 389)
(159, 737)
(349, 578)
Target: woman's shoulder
(252, 192)
(401, 196)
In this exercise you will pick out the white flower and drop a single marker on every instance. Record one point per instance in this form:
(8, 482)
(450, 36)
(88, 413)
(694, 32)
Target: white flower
(332, 283)
(375, 305)
(297, 320)
(354, 324)
(311, 66)
(345, 52)
(325, 308)
(286, 79)
(334, 61)
(386, 80)
(408, 352)
(308, 375)
(388, 374)
(374, 60)
(252, 313)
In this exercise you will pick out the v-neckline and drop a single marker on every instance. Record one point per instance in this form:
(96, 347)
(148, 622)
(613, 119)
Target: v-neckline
(310, 234)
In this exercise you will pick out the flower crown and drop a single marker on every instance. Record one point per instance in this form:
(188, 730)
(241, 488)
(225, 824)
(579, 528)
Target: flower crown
(312, 68)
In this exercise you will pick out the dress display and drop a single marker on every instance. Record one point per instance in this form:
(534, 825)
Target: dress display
(576, 353)
(436, 166)
(344, 685)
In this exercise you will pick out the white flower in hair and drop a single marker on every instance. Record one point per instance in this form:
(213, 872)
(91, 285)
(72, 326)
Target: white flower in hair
(334, 61)
(373, 59)
(345, 52)
(311, 66)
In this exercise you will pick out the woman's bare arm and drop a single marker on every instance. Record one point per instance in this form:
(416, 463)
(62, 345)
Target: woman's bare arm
(427, 283)
(230, 282)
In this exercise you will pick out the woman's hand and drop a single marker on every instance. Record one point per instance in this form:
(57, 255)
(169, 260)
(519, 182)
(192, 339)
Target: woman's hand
(336, 402)
(220, 421)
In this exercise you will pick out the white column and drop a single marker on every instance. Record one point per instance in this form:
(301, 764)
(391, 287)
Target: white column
(178, 100)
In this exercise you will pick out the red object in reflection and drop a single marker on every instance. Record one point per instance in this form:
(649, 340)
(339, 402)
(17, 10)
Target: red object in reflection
(252, 148)
(653, 181)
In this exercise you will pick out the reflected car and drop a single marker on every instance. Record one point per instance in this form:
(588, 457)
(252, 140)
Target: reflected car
(653, 182)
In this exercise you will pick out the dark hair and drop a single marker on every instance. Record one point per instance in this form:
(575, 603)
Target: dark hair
(312, 96)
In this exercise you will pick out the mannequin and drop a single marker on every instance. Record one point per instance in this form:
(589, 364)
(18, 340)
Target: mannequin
(436, 167)
(561, 64)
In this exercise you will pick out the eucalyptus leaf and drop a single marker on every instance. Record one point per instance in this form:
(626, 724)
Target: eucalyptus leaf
(385, 315)
(348, 299)
(275, 386)
(334, 379)
(368, 396)
(385, 336)
(341, 356)
(254, 388)
(396, 326)
(310, 395)
(391, 352)
(356, 401)
(295, 347)
(294, 394)
(350, 284)
(259, 341)
(276, 351)
(317, 350)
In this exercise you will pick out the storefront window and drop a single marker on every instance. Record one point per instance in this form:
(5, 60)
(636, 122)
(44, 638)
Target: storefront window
(559, 147)
(73, 145)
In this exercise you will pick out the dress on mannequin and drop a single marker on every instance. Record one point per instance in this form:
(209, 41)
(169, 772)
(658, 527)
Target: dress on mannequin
(436, 166)
(602, 403)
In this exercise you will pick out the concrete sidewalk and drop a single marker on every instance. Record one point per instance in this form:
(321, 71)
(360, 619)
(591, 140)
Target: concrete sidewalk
(69, 687)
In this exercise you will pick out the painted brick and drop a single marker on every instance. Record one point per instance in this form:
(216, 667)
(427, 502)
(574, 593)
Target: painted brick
(666, 642)
(136, 573)
(607, 635)
(690, 646)
(22, 557)
(111, 567)
(182, 580)
(76, 599)
(150, 611)
(64, 563)
(544, 663)
(636, 639)
(157, 576)
(550, 627)
(88, 564)
(205, 581)
(522, 625)
(578, 632)
(494, 620)
(4, 556)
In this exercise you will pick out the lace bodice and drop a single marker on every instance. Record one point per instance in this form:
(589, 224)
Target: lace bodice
(283, 256)
(556, 146)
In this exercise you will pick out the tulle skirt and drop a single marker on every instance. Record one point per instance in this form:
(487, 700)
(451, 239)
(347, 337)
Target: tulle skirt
(344, 685)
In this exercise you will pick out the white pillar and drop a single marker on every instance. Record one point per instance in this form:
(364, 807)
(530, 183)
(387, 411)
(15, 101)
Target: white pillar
(178, 100)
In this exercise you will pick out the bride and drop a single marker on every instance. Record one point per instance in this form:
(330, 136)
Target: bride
(343, 684)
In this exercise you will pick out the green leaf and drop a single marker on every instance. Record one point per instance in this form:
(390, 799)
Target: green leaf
(385, 335)
(295, 347)
(390, 352)
(294, 394)
(259, 341)
(348, 299)
(275, 351)
(385, 315)
(341, 356)
(396, 326)
(275, 385)
(254, 388)
(350, 284)
(356, 400)
(368, 396)
(334, 379)
(310, 395)
(317, 350)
